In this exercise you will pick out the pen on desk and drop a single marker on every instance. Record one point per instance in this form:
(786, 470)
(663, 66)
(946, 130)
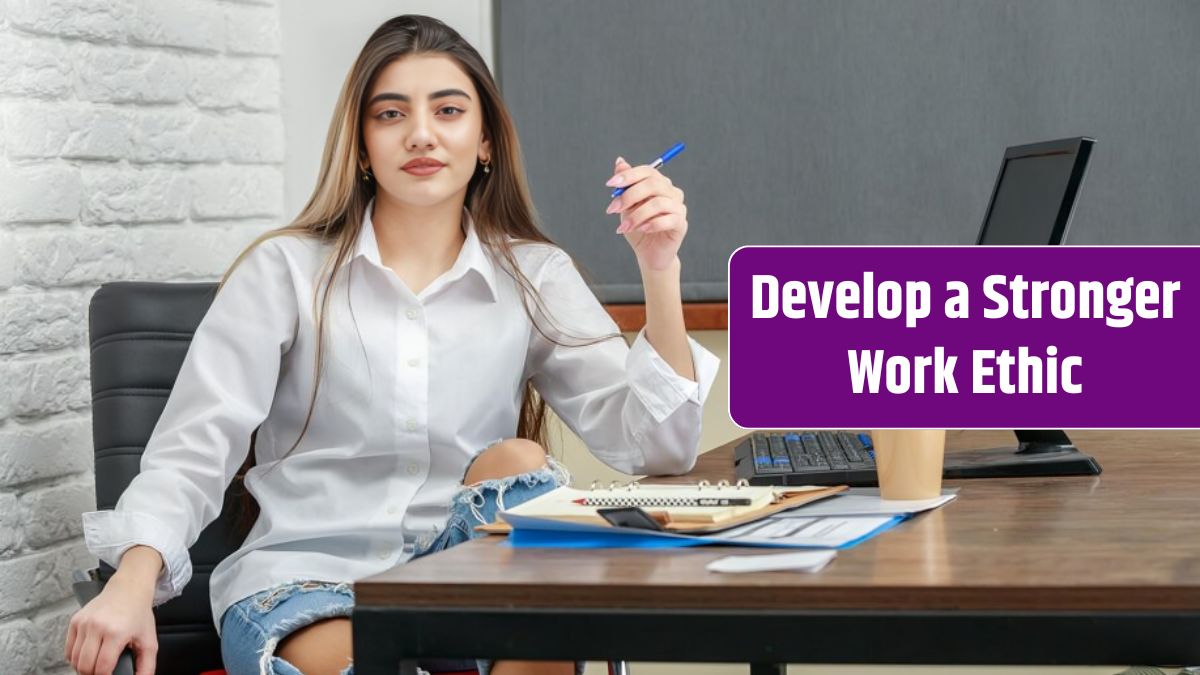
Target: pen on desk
(662, 502)
(663, 159)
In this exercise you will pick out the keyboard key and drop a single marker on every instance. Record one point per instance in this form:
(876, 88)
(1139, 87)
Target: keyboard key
(811, 446)
(776, 445)
(844, 441)
(762, 456)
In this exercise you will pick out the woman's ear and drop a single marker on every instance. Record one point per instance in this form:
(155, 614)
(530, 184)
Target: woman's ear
(485, 150)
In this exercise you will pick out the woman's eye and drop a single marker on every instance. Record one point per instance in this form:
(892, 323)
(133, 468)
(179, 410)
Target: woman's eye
(388, 114)
(452, 109)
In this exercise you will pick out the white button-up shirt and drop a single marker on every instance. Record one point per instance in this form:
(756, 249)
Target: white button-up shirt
(414, 386)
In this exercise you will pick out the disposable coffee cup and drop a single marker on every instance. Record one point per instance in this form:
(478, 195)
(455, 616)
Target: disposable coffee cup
(909, 462)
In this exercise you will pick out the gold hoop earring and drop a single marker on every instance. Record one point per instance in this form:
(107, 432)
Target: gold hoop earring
(487, 168)
(366, 174)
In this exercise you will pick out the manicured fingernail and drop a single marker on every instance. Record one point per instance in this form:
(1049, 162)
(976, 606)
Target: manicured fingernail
(623, 227)
(615, 180)
(620, 160)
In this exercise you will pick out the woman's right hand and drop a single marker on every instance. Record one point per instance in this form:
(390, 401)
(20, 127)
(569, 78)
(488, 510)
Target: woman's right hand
(121, 615)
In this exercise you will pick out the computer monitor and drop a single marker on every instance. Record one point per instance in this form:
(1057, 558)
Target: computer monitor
(1032, 203)
(1035, 192)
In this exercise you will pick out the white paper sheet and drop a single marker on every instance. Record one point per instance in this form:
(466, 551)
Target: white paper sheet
(867, 502)
(805, 561)
(831, 531)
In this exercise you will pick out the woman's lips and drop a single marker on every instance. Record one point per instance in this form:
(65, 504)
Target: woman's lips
(424, 169)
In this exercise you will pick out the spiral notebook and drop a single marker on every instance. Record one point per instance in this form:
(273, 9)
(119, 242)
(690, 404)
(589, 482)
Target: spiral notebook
(677, 508)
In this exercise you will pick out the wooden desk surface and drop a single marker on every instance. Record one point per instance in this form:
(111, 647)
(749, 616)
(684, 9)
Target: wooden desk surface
(1126, 540)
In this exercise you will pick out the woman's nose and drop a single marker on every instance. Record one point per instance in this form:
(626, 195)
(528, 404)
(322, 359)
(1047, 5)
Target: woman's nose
(420, 134)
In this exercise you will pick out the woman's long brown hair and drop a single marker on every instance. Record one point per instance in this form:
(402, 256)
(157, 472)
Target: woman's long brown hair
(499, 201)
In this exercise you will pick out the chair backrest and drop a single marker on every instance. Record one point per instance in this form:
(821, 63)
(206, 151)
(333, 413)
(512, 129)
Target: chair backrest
(139, 333)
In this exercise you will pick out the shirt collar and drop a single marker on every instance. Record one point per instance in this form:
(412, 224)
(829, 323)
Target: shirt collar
(471, 258)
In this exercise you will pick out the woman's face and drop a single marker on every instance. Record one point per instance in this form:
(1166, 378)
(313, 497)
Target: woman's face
(424, 108)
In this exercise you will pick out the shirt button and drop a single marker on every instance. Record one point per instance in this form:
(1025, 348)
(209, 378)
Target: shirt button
(414, 362)
(412, 314)
(413, 469)
(385, 553)
(393, 509)
(411, 424)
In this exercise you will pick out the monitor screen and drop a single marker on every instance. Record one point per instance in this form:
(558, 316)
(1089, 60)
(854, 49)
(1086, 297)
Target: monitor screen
(1035, 194)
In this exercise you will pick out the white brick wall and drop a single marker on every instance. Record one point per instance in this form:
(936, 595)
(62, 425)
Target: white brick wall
(139, 139)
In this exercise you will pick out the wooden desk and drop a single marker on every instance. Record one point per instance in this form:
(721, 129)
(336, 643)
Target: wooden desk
(1081, 570)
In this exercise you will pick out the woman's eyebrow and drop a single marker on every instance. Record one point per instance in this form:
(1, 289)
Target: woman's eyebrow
(393, 96)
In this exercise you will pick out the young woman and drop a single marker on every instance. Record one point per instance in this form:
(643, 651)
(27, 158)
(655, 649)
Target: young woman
(387, 347)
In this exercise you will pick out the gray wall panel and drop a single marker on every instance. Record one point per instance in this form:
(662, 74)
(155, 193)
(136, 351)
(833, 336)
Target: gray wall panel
(849, 121)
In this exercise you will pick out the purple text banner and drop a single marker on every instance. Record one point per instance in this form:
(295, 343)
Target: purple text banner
(964, 337)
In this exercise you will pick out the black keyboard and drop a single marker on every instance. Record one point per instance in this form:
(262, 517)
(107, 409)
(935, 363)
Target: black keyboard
(848, 458)
(807, 458)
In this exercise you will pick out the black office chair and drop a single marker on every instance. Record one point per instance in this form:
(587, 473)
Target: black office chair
(139, 334)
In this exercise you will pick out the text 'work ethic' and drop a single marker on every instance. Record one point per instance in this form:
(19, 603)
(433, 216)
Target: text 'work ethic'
(991, 371)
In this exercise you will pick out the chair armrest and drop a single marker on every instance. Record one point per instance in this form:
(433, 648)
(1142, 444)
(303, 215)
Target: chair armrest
(87, 585)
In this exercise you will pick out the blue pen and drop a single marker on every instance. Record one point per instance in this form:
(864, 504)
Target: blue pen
(666, 157)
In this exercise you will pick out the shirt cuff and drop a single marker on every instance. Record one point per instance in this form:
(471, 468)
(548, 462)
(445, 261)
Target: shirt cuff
(656, 384)
(108, 534)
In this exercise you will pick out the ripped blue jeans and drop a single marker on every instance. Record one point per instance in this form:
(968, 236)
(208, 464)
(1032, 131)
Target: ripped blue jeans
(252, 629)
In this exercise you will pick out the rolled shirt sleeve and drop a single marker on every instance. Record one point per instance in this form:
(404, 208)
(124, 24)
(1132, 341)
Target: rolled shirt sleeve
(224, 390)
(627, 404)
(110, 533)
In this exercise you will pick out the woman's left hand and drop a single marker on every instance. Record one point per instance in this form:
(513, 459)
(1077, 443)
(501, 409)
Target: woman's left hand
(653, 215)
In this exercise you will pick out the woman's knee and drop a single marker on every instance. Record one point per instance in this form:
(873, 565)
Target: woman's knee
(507, 458)
(321, 648)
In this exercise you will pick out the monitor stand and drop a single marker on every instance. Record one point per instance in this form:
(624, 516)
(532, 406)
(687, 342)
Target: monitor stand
(1038, 453)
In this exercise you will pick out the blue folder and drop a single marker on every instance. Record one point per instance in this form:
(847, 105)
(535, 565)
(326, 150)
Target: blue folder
(529, 532)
